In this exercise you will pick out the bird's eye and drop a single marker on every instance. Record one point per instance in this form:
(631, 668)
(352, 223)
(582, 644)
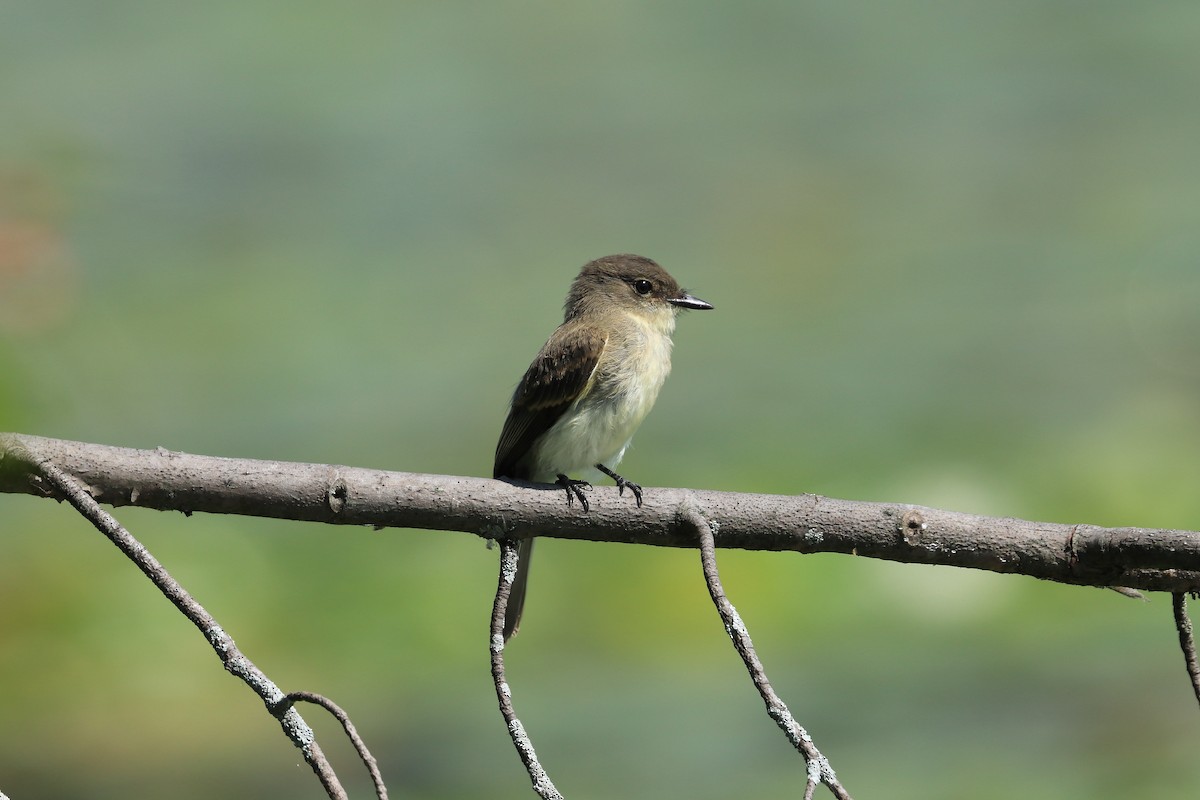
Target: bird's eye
(642, 286)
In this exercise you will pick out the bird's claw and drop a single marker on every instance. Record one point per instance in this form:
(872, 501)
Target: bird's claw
(623, 484)
(574, 489)
(636, 488)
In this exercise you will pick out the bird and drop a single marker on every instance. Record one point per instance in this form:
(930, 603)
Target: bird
(595, 379)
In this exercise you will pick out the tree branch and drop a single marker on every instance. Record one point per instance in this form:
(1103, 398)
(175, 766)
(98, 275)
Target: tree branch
(294, 726)
(1141, 558)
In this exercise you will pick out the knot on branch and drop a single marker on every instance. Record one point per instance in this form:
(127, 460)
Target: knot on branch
(336, 494)
(912, 526)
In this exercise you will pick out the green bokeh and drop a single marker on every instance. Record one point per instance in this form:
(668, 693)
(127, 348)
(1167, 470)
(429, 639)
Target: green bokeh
(953, 251)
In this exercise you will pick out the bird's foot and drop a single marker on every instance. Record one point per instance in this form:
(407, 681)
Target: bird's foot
(574, 489)
(623, 484)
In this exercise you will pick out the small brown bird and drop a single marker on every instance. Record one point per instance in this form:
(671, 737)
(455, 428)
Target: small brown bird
(591, 385)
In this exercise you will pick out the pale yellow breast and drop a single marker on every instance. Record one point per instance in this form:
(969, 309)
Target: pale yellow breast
(600, 425)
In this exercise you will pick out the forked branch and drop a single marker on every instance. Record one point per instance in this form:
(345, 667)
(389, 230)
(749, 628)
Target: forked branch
(87, 475)
(280, 706)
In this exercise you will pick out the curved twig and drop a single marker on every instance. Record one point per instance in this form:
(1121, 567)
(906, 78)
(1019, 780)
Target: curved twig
(819, 769)
(537, 775)
(351, 733)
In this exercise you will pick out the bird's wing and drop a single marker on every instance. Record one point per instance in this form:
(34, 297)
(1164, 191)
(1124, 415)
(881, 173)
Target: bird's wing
(556, 378)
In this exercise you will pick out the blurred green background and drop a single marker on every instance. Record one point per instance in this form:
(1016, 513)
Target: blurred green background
(952, 248)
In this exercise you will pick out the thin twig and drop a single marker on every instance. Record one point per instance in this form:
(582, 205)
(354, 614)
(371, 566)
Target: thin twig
(508, 570)
(351, 732)
(1183, 624)
(819, 769)
(235, 662)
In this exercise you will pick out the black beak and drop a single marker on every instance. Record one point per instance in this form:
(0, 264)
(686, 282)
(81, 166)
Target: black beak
(685, 300)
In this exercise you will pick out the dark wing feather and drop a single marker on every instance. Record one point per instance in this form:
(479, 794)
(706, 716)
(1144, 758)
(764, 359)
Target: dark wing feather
(552, 383)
